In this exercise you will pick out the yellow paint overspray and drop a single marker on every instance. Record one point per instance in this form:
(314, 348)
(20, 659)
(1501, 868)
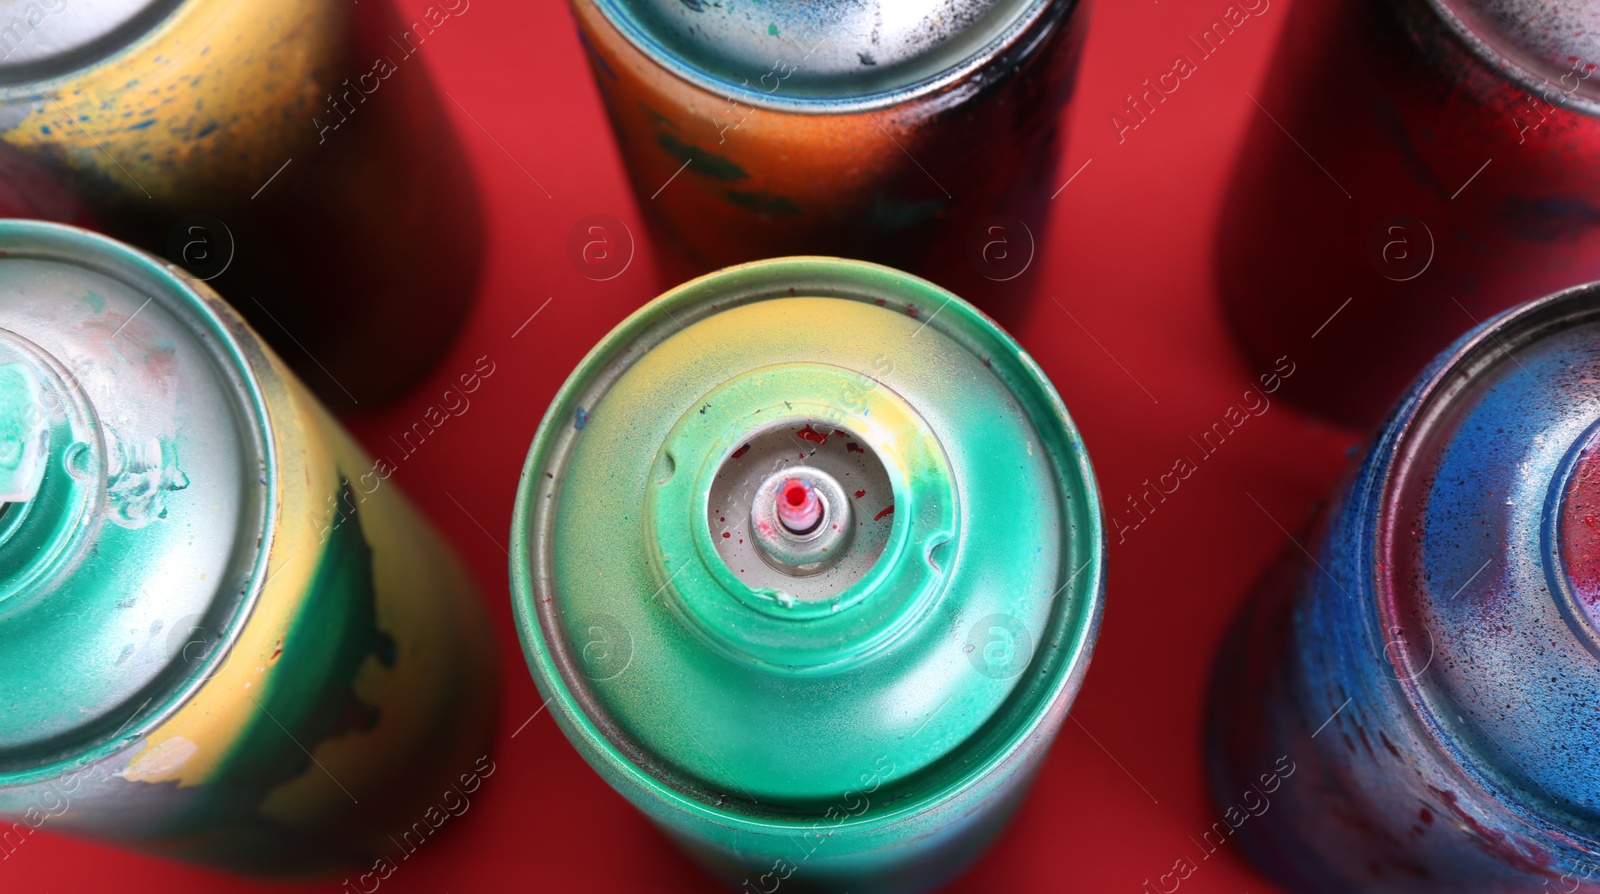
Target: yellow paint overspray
(408, 567)
(183, 779)
(222, 126)
(230, 81)
(867, 705)
(442, 673)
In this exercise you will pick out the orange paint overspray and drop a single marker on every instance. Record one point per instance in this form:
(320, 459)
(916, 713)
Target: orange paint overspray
(950, 184)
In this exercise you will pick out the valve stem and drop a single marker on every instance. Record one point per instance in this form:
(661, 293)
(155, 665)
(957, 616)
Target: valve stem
(799, 506)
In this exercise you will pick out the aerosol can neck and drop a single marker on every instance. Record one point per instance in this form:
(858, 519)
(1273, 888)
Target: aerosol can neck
(24, 434)
(52, 474)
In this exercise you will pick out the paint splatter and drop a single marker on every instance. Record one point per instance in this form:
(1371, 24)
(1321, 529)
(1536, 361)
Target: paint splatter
(741, 451)
(146, 476)
(810, 434)
(860, 494)
(582, 420)
(765, 204)
(706, 162)
(886, 511)
(853, 447)
(1530, 860)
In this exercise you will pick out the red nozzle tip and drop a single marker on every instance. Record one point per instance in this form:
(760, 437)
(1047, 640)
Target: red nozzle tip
(799, 507)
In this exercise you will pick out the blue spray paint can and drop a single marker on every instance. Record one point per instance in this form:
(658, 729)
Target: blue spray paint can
(1426, 661)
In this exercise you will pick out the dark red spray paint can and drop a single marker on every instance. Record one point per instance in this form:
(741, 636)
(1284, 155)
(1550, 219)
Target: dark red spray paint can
(1414, 167)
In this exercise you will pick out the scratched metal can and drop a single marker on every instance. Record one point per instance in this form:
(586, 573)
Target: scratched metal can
(225, 636)
(808, 561)
(292, 153)
(921, 135)
(1412, 694)
(1414, 167)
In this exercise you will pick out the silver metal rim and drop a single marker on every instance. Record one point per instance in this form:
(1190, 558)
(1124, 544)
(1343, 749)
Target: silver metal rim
(1010, 37)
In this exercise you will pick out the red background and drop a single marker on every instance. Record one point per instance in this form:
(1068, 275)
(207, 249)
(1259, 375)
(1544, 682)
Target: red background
(1129, 252)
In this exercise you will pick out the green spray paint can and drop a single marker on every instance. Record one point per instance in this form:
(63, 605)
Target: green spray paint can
(808, 560)
(225, 636)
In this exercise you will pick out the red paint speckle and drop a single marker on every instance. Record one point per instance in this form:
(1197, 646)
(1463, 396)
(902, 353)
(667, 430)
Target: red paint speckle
(794, 492)
(878, 302)
(911, 311)
(741, 451)
(860, 494)
(853, 447)
(726, 535)
(810, 434)
(884, 512)
(1532, 860)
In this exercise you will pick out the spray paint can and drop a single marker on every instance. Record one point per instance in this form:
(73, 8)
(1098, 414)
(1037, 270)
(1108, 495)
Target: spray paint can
(224, 635)
(809, 561)
(1427, 670)
(921, 135)
(1415, 167)
(292, 154)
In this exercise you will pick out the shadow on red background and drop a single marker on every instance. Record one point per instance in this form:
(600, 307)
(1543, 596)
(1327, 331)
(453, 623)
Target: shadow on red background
(1142, 360)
